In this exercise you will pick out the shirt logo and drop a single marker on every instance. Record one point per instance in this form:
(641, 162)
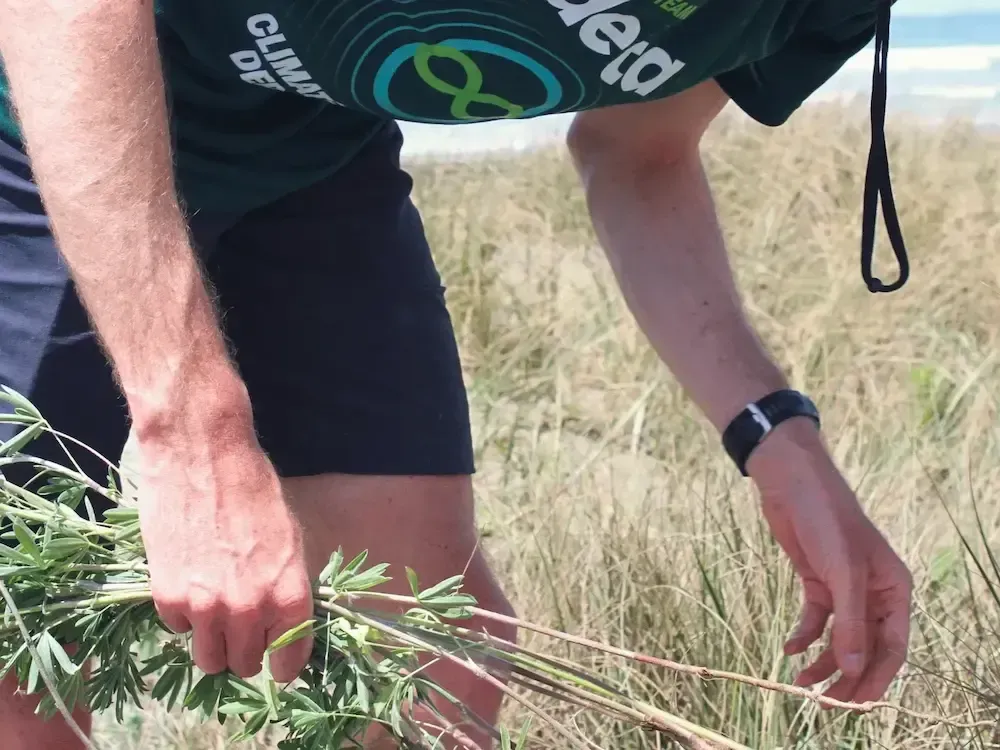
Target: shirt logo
(453, 65)
(467, 90)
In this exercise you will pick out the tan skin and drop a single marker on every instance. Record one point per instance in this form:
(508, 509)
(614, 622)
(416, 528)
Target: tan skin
(228, 560)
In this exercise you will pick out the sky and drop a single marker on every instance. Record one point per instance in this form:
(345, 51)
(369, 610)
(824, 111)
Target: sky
(939, 7)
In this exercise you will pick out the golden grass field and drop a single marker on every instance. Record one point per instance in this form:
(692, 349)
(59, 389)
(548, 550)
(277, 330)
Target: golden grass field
(605, 500)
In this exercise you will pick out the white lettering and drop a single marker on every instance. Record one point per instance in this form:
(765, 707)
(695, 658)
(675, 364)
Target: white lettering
(305, 88)
(246, 60)
(653, 57)
(288, 70)
(613, 72)
(616, 28)
(267, 42)
(572, 13)
(285, 64)
(262, 24)
(602, 32)
(324, 96)
(281, 54)
(262, 78)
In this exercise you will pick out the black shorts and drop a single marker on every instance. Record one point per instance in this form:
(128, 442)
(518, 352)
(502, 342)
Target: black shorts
(329, 297)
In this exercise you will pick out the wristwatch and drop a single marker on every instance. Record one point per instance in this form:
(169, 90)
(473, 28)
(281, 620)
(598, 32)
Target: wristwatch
(749, 428)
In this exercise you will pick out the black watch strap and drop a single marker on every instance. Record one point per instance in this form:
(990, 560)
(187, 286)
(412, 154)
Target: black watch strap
(749, 428)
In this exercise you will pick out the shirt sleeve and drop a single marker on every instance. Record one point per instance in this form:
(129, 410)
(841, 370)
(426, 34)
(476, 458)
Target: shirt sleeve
(772, 89)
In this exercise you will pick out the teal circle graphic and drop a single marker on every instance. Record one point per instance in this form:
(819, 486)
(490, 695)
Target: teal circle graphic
(406, 53)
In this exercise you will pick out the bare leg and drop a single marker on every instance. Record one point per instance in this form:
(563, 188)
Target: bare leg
(426, 523)
(22, 729)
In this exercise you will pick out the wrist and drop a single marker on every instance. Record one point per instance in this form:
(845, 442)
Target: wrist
(755, 423)
(792, 446)
(206, 402)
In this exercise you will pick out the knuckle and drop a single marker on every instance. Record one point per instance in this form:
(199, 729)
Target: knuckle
(245, 607)
(205, 608)
(168, 598)
(851, 631)
(294, 603)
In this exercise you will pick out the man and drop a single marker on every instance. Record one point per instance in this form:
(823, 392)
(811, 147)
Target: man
(276, 328)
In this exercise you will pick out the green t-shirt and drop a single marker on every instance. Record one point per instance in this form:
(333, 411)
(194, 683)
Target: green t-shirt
(268, 96)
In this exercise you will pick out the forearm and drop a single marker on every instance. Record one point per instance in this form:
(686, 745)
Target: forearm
(87, 84)
(659, 229)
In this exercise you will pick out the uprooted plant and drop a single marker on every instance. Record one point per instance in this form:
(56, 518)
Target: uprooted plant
(69, 577)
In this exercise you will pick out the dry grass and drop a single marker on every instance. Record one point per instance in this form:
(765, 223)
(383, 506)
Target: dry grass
(605, 500)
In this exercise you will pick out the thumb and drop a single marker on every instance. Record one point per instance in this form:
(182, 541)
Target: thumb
(849, 589)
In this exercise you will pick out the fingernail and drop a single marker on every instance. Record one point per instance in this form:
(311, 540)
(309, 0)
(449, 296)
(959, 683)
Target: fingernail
(853, 664)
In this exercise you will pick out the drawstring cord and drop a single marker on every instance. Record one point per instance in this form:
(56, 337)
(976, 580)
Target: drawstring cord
(877, 178)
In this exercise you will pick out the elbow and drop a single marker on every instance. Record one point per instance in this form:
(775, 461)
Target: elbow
(595, 152)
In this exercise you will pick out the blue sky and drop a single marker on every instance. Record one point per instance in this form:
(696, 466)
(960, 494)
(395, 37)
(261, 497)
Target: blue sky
(934, 7)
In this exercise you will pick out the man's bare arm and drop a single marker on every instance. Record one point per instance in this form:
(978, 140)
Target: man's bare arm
(225, 552)
(653, 212)
(88, 88)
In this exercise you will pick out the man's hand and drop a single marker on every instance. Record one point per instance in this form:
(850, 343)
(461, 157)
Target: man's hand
(848, 569)
(225, 553)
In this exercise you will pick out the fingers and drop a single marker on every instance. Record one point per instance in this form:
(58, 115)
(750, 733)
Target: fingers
(810, 629)
(208, 648)
(245, 644)
(821, 669)
(172, 617)
(886, 656)
(235, 637)
(208, 643)
(892, 641)
(288, 662)
(850, 637)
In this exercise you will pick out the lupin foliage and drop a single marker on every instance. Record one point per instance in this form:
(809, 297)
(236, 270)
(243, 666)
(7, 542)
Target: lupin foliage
(69, 577)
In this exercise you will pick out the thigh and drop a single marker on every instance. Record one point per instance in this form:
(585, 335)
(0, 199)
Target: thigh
(427, 523)
(424, 523)
(339, 327)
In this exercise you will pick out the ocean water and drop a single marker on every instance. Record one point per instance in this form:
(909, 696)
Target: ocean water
(939, 66)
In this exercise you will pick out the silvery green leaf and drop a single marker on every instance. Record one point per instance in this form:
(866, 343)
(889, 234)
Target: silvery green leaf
(369, 579)
(447, 586)
(332, 567)
(297, 633)
(21, 439)
(58, 653)
(27, 540)
(18, 401)
(237, 708)
(411, 576)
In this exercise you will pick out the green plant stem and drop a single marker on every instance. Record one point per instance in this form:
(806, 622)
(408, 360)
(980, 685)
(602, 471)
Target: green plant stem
(472, 667)
(90, 604)
(61, 471)
(691, 669)
(138, 567)
(584, 688)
